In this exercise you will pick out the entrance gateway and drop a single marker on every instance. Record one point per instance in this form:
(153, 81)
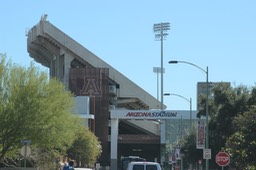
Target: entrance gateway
(115, 115)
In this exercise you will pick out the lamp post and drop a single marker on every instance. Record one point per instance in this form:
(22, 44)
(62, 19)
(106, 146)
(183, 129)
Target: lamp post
(207, 110)
(190, 104)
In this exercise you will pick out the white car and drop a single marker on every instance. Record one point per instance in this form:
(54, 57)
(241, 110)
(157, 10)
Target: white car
(83, 169)
(144, 166)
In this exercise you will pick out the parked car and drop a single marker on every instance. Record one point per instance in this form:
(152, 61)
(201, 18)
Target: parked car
(126, 160)
(83, 169)
(144, 166)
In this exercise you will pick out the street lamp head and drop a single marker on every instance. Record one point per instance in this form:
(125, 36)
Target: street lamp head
(173, 62)
(186, 62)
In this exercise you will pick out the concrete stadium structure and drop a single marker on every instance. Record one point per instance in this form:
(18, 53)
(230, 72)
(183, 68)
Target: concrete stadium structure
(99, 88)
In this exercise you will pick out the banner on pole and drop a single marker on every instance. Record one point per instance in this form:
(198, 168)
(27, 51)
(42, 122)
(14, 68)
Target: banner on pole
(200, 136)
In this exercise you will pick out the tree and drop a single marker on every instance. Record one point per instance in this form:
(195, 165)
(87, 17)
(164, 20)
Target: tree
(188, 148)
(242, 144)
(33, 107)
(85, 148)
(231, 117)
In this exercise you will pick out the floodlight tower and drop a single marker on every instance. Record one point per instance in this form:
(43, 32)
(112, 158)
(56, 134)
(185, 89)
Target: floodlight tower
(160, 31)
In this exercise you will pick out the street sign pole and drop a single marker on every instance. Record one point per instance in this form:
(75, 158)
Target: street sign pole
(26, 148)
(25, 163)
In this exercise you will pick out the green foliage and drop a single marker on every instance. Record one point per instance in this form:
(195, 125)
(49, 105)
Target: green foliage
(232, 125)
(191, 154)
(33, 107)
(85, 148)
(242, 144)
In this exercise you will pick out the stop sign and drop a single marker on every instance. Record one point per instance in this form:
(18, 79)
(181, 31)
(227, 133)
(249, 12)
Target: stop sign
(222, 159)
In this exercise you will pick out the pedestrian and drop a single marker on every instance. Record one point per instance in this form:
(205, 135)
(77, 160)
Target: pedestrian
(65, 163)
(70, 166)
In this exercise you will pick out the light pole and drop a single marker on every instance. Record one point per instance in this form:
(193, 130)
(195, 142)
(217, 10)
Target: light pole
(188, 100)
(160, 31)
(207, 110)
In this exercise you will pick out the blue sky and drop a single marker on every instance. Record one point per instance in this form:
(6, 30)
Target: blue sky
(220, 34)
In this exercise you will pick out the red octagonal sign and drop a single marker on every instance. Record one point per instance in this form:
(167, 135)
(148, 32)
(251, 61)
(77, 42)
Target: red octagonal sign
(222, 159)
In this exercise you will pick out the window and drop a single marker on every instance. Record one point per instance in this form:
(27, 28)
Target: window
(151, 167)
(138, 167)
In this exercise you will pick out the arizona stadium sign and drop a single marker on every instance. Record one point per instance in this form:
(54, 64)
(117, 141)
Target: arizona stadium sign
(147, 114)
(150, 114)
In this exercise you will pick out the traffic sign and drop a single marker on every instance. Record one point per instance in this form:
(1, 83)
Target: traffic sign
(207, 154)
(25, 151)
(26, 142)
(222, 159)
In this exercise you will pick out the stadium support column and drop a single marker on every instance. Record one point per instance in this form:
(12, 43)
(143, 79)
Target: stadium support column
(66, 68)
(114, 143)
